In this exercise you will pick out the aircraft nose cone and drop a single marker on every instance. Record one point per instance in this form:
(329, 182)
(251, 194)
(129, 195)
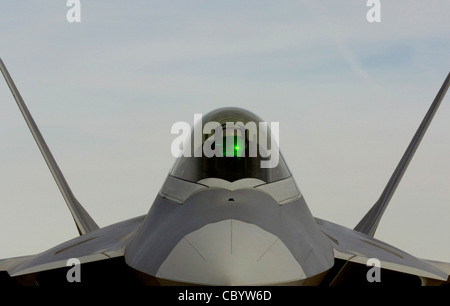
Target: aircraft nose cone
(231, 252)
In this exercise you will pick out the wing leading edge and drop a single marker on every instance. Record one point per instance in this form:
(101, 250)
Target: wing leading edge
(351, 246)
(100, 250)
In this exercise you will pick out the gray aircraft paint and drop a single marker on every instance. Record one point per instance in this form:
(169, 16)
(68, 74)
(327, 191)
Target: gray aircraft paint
(168, 223)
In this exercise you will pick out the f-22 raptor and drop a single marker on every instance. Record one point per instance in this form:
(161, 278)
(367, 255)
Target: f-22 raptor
(225, 220)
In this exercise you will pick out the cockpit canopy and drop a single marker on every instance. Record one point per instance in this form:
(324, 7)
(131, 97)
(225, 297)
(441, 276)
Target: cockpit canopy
(235, 144)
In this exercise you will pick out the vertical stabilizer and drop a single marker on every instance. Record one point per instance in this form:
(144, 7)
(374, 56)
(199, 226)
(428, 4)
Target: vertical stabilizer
(82, 219)
(369, 223)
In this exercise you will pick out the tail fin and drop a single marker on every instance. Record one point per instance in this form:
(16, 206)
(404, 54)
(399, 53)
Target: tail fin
(83, 221)
(369, 223)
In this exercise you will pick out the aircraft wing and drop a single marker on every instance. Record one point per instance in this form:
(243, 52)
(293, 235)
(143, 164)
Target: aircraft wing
(103, 244)
(351, 246)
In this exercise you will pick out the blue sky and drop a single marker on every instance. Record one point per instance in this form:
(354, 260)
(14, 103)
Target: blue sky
(105, 92)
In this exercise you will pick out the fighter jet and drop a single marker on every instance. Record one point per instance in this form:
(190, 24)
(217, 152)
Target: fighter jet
(225, 220)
